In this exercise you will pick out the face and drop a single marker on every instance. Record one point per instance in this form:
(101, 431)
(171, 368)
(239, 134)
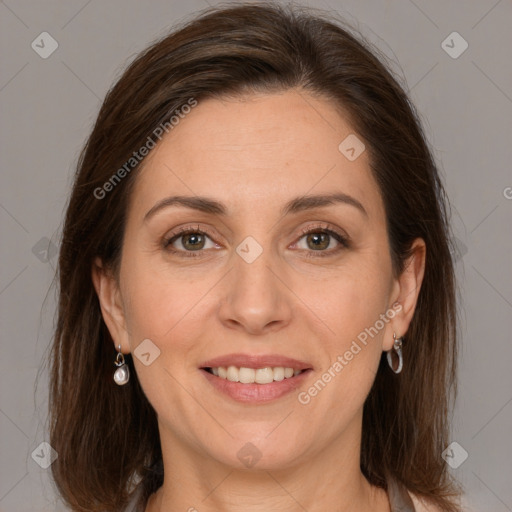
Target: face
(256, 276)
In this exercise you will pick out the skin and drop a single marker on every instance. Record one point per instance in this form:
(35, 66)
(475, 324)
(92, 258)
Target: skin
(254, 154)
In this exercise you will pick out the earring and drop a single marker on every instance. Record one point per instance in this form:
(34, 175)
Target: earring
(122, 374)
(397, 347)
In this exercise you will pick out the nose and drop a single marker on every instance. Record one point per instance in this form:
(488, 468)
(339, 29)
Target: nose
(256, 298)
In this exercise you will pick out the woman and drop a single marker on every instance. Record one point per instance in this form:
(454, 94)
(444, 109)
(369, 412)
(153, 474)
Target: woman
(257, 304)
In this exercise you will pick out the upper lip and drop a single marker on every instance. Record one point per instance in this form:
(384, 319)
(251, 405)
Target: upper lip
(256, 361)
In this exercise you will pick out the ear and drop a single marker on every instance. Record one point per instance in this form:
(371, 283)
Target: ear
(406, 289)
(111, 304)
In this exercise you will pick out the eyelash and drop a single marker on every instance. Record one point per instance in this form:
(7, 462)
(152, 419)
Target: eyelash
(320, 229)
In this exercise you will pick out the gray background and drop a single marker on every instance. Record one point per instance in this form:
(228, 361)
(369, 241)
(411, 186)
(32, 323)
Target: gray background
(47, 109)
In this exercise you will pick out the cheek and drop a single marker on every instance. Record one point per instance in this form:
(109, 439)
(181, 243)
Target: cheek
(352, 306)
(155, 301)
(167, 305)
(349, 299)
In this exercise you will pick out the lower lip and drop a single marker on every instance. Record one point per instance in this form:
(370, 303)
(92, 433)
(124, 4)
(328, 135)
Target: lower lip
(255, 393)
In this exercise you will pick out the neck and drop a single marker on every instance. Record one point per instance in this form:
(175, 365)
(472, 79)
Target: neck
(329, 480)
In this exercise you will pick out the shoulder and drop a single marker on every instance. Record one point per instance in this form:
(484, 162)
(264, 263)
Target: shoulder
(422, 505)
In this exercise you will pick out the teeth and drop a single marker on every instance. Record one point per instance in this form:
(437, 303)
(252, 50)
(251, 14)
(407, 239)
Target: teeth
(245, 375)
(264, 376)
(233, 374)
(279, 373)
(251, 375)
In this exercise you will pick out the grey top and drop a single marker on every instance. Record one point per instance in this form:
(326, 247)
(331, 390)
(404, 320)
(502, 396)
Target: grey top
(399, 499)
(132, 506)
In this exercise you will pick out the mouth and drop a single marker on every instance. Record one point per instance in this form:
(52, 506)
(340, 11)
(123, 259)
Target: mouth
(256, 380)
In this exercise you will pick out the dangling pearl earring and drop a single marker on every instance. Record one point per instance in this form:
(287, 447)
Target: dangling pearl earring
(122, 374)
(397, 347)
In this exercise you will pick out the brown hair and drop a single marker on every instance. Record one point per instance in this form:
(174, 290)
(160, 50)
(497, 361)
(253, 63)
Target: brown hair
(107, 436)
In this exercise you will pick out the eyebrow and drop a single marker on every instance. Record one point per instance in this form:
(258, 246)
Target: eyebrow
(299, 204)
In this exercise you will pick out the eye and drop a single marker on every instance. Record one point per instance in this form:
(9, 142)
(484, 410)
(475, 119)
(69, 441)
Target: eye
(191, 241)
(187, 241)
(321, 239)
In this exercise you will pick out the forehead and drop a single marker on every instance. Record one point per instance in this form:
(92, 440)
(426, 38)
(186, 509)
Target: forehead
(255, 151)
